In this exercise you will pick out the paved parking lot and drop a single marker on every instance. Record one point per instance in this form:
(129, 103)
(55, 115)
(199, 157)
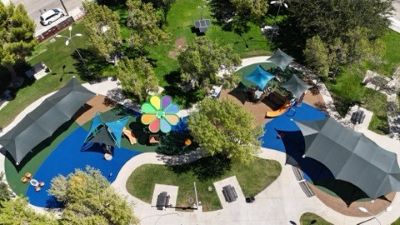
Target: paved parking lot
(36, 7)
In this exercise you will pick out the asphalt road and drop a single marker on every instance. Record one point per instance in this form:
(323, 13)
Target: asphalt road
(36, 7)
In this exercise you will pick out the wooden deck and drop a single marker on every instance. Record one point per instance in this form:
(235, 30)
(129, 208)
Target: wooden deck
(99, 104)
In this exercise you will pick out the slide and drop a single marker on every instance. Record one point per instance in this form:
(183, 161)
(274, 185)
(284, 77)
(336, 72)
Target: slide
(278, 112)
(128, 133)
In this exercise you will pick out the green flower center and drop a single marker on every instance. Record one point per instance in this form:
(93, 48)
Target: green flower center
(160, 114)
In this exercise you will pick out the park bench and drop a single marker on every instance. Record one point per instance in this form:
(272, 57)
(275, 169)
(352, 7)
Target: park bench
(306, 189)
(229, 193)
(163, 201)
(38, 71)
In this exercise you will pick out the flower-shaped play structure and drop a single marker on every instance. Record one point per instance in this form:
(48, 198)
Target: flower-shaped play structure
(160, 114)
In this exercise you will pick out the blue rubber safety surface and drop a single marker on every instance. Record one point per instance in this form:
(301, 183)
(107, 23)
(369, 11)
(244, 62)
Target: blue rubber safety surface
(291, 140)
(69, 156)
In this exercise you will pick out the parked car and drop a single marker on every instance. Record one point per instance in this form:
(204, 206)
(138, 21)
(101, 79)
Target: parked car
(51, 16)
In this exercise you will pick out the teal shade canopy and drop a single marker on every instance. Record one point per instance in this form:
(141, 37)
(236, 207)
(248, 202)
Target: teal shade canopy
(109, 133)
(259, 78)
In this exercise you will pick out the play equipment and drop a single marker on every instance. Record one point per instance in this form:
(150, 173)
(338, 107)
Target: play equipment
(129, 134)
(160, 114)
(278, 112)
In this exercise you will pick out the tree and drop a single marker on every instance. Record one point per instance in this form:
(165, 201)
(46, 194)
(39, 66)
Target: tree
(103, 30)
(89, 199)
(137, 78)
(347, 29)
(16, 212)
(222, 127)
(240, 11)
(203, 59)
(164, 5)
(5, 193)
(335, 18)
(16, 36)
(144, 21)
(316, 56)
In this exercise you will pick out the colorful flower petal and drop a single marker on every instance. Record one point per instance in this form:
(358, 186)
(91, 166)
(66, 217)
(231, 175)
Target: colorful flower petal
(165, 126)
(148, 109)
(172, 109)
(154, 127)
(172, 119)
(148, 118)
(155, 102)
(165, 101)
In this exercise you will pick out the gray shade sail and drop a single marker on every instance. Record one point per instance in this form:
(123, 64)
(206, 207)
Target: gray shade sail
(280, 59)
(351, 156)
(296, 86)
(43, 121)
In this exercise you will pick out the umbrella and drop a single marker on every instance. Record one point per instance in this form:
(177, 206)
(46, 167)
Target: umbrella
(280, 59)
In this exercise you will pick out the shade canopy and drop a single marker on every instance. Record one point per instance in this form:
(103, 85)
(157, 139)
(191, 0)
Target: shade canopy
(109, 133)
(259, 77)
(280, 59)
(351, 156)
(42, 122)
(296, 86)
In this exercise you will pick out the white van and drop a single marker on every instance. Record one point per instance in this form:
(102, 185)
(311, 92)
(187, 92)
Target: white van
(51, 16)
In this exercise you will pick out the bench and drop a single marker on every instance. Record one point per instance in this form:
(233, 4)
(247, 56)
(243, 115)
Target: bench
(297, 173)
(306, 189)
(162, 201)
(229, 193)
(357, 117)
(38, 71)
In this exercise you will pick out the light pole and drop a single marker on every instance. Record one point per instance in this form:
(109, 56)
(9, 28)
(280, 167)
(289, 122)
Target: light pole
(65, 8)
(68, 39)
(280, 3)
(364, 210)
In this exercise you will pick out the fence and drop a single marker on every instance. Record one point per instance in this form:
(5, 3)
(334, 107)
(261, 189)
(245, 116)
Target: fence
(52, 31)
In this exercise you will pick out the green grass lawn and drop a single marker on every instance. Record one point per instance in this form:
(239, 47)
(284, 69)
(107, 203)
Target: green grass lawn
(377, 103)
(311, 218)
(397, 222)
(391, 56)
(253, 178)
(181, 18)
(54, 54)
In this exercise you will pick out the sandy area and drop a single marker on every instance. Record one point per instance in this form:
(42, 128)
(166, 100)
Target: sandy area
(98, 103)
(180, 44)
(339, 205)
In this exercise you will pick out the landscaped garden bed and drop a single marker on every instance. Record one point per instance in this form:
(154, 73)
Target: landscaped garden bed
(204, 172)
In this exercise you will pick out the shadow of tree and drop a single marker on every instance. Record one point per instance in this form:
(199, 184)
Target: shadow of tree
(174, 144)
(206, 168)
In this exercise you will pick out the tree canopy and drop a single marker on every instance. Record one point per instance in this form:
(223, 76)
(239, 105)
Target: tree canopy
(16, 212)
(102, 28)
(341, 31)
(239, 12)
(145, 23)
(137, 77)
(16, 35)
(203, 59)
(89, 199)
(222, 127)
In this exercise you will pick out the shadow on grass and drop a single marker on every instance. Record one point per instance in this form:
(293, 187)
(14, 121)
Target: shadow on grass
(205, 168)
(174, 144)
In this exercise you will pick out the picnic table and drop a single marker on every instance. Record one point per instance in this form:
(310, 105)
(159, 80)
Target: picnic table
(163, 201)
(229, 193)
(202, 25)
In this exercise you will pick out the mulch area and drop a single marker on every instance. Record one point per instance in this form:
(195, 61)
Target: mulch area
(180, 45)
(259, 109)
(337, 204)
(99, 104)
